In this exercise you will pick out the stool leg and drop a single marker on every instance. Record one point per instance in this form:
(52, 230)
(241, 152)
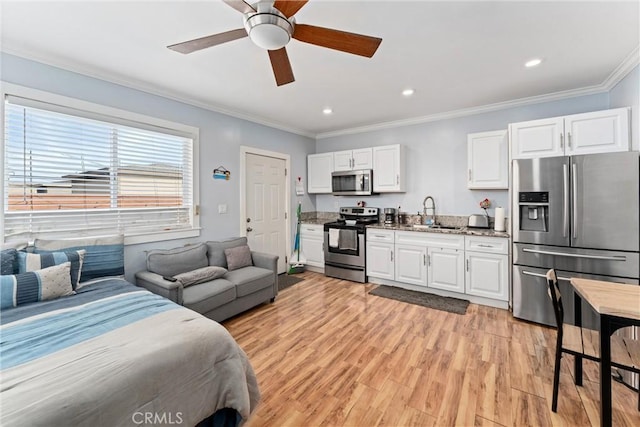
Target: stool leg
(556, 375)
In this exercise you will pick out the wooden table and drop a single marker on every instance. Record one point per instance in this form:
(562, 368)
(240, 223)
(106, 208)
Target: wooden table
(618, 306)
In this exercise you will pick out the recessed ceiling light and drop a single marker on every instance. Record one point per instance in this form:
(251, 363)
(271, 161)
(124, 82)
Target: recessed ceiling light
(408, 92)
(327, 111)
(533, 63)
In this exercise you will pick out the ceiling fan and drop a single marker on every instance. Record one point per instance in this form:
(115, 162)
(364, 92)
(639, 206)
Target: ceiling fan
(271, 27)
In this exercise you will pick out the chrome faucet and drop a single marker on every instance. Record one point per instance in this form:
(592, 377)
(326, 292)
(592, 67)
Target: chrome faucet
(429, 218)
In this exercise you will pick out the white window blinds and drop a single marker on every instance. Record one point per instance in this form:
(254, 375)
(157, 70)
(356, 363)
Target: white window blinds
(73, 172)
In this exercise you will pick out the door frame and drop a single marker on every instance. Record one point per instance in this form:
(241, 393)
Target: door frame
(244, 150)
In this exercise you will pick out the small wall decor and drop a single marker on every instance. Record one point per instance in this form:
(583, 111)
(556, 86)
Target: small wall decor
(299, 187)
(221, 173)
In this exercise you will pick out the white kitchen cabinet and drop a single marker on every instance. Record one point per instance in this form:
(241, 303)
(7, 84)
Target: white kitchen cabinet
(380, 254)
(445, 269)
(312, 243)
(411, 264)
(487, 267)
(353, 159)
(488, 160)
(587, 133)
(389, 169)
(319, 168)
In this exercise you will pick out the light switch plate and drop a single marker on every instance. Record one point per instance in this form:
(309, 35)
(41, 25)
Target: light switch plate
(222, 209)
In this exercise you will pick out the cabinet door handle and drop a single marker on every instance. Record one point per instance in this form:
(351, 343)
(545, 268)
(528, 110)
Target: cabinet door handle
(391, 256)
(469, 174)
(397, 179)
(424, 259)
(562, 141)
(429, 260)
(485, 246)
(569, 140)
(467, 265)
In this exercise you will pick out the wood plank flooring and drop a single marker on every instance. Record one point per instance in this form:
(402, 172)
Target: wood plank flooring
(327, 353)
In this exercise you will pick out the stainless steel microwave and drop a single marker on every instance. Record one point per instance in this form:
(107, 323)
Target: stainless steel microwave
(352, 183)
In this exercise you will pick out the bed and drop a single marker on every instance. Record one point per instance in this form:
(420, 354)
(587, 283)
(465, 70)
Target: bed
(115, 354)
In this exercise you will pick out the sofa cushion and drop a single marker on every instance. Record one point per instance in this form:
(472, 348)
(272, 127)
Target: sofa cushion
(250, 279)
(169, 262)
(8, 261)
(209, 295)
(238, 257)
(216, 250)
(200, 275)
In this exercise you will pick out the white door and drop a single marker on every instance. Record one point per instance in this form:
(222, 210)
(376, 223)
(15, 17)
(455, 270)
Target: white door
(537, 138)
(266, 206)
(487, 275)
(411, 264)
(597, 132)
(380, 260)
(446, 269)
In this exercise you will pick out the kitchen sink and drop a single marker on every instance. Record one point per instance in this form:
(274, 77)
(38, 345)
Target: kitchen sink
(435, 227)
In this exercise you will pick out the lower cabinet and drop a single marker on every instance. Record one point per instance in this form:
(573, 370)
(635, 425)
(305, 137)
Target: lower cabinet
(446, 269)
(448, 264)
(312, 243)
(380, 254)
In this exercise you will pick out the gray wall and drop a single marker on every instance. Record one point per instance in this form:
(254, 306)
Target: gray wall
(627, 94)
(437, 156)
(220, 139)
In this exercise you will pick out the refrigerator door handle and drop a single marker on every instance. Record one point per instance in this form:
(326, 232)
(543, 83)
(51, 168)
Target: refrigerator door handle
(565, 200)
(600, 257)
(529, 273)
(574, 199)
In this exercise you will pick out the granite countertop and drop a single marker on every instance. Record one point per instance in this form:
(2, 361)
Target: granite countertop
(316, 221)
(487, 232)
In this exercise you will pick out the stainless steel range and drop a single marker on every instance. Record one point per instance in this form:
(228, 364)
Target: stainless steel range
(344, 243)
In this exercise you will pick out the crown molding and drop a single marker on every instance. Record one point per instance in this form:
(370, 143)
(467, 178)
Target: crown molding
(628, 64)
(150, 89)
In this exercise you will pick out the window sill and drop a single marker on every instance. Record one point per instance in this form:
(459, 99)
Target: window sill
(161, 236)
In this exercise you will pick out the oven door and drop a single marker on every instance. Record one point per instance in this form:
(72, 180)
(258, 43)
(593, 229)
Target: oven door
(346, 257)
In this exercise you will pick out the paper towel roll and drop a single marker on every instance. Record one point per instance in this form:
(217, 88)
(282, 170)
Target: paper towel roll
(499, 223)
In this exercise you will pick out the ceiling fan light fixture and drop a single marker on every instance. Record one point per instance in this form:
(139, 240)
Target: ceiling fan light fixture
(268, 30)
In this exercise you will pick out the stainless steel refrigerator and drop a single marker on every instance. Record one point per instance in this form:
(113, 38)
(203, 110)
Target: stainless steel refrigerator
(579, 215)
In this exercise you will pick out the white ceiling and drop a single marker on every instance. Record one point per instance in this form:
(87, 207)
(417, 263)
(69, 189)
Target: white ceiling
(456, 55)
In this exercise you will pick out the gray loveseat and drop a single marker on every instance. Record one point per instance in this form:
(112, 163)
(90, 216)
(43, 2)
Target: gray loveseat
(218, 299)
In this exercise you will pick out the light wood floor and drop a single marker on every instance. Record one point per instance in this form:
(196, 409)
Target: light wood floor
(328, 354)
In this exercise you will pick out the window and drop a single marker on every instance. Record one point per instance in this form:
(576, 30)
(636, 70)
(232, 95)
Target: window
(77, 172)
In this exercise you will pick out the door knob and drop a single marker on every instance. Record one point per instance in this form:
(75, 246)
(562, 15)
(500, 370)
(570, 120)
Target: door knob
(249, 229)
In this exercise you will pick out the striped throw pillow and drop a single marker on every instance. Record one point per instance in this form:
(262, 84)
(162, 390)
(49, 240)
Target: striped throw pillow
(104, 257)
(48, 283)
(32, 262)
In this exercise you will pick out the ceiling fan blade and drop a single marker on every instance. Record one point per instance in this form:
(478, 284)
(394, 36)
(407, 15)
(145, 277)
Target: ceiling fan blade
(240, 6)
(356, 44)
(281, 66)
(289, 8)
(208, 41)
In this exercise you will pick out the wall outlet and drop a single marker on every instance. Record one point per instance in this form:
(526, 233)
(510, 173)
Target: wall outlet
(222, 209)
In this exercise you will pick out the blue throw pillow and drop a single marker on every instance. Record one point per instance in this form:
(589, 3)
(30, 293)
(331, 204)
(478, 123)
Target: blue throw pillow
(31, 262)
(8, 264)
(104, 257)
(48, 283)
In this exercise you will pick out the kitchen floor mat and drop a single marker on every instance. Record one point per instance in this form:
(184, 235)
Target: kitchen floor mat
(285, 281)
(452, 305)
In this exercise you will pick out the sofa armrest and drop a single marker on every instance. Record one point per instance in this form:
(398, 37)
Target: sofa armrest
(270, 262)
(156, 284)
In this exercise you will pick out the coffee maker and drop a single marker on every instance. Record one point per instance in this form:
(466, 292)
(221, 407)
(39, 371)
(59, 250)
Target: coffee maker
(389, 216)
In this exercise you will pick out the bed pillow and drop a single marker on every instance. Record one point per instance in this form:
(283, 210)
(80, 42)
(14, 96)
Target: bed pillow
(8, 261)
(32, 262)
(169, 262)
(216, 250)
(104, 257)
(238, 257)
(200, 275)
(45, 284)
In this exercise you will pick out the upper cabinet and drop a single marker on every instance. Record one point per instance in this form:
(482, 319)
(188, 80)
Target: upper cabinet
(353, 159)
(389, 169)
(588, 133)
(488, 160)
(319, 168)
